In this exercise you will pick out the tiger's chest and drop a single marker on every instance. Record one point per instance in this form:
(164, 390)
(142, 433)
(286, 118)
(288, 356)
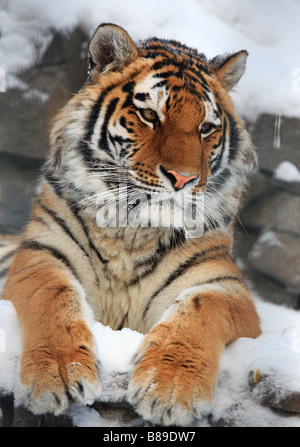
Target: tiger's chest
(134, 268)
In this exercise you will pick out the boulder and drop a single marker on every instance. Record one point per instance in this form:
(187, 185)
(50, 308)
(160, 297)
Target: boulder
(277, 139)
(279, 211)
(18, 181)
(26, 113)
(277, 255)
(267, 392)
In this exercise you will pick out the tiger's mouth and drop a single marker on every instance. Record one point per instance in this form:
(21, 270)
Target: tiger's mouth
(167, 209)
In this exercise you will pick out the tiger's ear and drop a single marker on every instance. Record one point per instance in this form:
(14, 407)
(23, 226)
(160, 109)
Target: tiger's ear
(229, 68)
(111, 48)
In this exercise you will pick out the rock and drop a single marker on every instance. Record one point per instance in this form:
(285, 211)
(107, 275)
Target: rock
(271, 290)
(27, 111)
(277, 139)
(7, 410)
(269, 247)
(113, 414)
(277, 255)
(20, 417)
(280, 211)
(267, 393)
(23, 129)
(259, 185)
(18, 180)
(292, 187)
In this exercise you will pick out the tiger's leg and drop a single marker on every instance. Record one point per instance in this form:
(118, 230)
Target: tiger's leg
(178, 361)
(58, 359)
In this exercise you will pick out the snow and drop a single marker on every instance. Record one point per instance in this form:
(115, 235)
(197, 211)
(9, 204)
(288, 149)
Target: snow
(269, 31)
(270, 238)
(276, 353)
(287, 172)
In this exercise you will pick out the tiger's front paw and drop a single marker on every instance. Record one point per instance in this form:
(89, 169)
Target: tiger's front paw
(50, 379)
(171, 384)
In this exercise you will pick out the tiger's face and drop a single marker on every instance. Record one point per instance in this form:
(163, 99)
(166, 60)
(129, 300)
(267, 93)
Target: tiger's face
(154, 127)
(171, 133)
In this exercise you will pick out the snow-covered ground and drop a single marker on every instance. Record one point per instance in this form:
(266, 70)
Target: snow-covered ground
(268, 29)
(275, 353)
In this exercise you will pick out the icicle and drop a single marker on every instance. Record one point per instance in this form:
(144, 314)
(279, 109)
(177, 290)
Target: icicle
(277, 126)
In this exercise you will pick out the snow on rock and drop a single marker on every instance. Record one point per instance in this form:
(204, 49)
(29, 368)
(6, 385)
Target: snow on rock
(275, 355)
(287, 172)
(274, 360)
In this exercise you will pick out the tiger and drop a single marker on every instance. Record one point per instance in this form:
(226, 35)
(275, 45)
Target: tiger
(154, 128)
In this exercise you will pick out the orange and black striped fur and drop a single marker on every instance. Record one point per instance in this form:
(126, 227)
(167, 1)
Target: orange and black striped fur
(154, 120)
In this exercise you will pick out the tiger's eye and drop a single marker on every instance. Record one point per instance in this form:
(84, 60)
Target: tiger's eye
(206, 127)
(149, 114)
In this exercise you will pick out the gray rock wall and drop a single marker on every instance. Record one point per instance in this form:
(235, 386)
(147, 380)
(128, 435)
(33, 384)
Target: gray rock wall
(268, 238)
(26, 113)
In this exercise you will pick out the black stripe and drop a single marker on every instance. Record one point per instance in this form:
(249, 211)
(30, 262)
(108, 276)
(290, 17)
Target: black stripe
(168, 46)
(124, 124)
(227, 220)
(185, 75)
(84, 144)
(123, 142)
(142, 96)
(16, 272)
(40, 220)
(204, 256)
(128, 88)
(182, 67)
(166, 74)
(37, 246)
(95, 113)
(217, 182)
(62, 289)
(160, 84)
(7, 256)
(151, 263)
(53, 182)
(168, 103)
(222, 278)
(4, 272)
(122, 322)
(233, 137)
(61, 222)
(103, 142)
(76, 214)
(217, 162)
(75, 211)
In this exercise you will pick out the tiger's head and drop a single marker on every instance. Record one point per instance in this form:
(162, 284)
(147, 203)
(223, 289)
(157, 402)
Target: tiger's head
(154, 121)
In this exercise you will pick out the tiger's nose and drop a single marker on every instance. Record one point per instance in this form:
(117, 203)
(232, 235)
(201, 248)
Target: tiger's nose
(177, 180)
